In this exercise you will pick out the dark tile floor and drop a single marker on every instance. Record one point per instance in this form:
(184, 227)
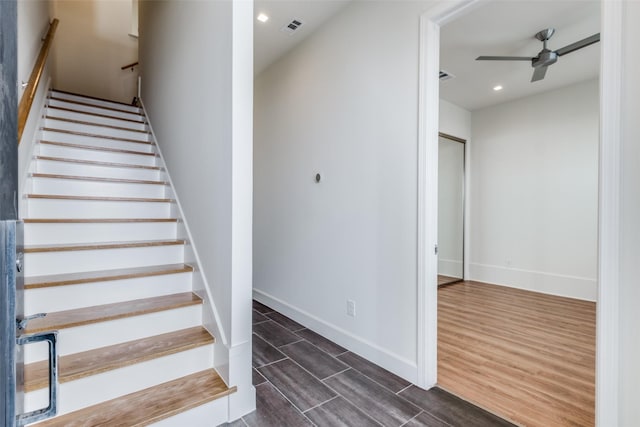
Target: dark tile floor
(303, 379)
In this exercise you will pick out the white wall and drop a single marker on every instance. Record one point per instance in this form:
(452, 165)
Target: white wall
(92, 43)
(534, 192)
(630, 223)
(33, 24)
(454, 120)
(197, 75)
(343, 104)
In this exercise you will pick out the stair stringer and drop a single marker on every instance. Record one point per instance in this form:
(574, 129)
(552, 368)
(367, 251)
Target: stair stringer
(233, 363)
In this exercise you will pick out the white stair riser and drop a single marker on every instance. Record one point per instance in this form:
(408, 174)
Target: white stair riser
(214, 413)
(108, 385)
(40, 263)
(92, 118)
(83, 169)
(96, 102)
(95, 155)
(95, 129)
(60, 298)
(95, 110)
(102, 334)
(52, 233)
(49, 208)
(75, 187)
(96, 141)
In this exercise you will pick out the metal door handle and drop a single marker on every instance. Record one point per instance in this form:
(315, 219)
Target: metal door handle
(22, 323)
(50, 411)
(19, 261)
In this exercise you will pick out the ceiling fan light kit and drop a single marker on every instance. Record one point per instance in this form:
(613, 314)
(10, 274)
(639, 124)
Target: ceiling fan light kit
(545, 57)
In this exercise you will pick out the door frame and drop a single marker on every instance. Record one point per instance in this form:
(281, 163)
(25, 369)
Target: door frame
(8, 210)
(607, 340)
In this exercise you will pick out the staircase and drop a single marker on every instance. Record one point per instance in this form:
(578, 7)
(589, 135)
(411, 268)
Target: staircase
(103, 260)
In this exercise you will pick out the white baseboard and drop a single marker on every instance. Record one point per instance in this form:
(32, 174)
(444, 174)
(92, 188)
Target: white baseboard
(243, 401)
(399, 365)
(583, 288)
(450, 267)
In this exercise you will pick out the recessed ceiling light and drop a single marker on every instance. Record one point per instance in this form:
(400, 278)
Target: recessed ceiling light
(497, 88)
(263, 18)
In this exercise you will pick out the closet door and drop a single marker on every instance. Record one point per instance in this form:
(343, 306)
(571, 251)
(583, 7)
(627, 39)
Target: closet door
(450, 210)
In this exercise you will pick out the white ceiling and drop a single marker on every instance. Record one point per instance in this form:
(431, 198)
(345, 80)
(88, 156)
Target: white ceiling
(270, 43)
(507, 28)
(501, 27)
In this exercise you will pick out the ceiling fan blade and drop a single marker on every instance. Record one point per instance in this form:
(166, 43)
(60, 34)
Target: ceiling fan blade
(503, 58)
(538, 73)
(578, 45)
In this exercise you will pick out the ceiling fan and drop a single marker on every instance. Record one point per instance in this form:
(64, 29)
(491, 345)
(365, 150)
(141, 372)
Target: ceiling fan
(545, 57)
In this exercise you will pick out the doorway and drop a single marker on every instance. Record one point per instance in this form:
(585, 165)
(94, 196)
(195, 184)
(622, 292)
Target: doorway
(533, 222)
(609, 184)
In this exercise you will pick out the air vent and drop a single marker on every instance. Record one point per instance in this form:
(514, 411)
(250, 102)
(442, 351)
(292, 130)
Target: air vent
(292, 26)
(444, 75)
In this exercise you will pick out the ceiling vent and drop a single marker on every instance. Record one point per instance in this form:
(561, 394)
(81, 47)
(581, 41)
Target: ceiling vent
(445, 75)
(292, 26)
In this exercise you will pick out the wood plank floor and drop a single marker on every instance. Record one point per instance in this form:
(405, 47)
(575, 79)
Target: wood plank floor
(445, 280)
(525, 356)
(304, 379)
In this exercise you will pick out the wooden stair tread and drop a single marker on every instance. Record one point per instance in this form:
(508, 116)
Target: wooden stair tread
(95, 163)
(63, 247)
(34, 282)
(97, 198)
(101, 313)
(95, 135)
(95, 148)
(92, 362)
(54, 90)
(82, 122)
(96, 178)
(155, 403)
(93, 220)
(71, 110)
(93, 105)
(150, 405)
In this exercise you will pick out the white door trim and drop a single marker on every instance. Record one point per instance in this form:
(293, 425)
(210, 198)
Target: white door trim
(428, 106)
(609, 199)
(607, 346)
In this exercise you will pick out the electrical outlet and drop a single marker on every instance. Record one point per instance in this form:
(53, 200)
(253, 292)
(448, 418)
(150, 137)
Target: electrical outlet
(351, 308)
